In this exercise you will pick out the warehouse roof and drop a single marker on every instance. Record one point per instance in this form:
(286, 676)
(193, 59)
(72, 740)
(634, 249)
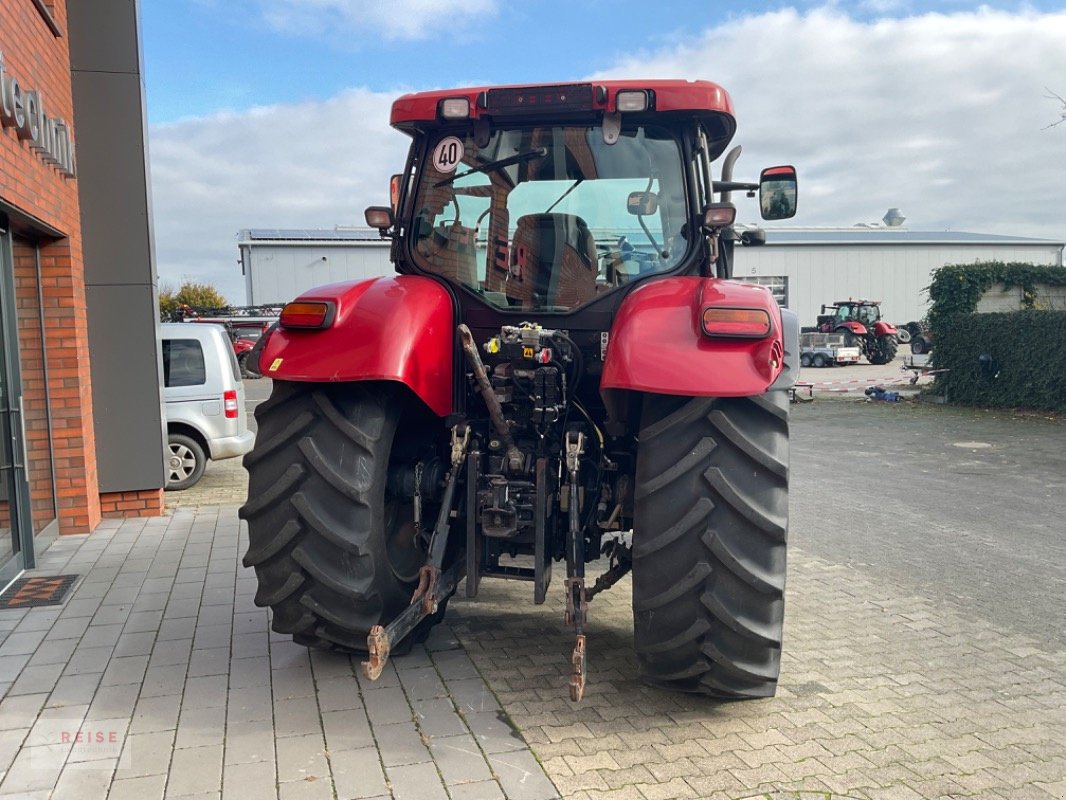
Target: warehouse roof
(887, 235)
(309, 235)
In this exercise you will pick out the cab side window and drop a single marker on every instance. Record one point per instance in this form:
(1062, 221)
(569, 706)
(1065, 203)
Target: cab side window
(183, 363)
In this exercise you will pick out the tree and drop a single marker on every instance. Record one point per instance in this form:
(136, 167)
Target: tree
(1062, 112)
(198, 295)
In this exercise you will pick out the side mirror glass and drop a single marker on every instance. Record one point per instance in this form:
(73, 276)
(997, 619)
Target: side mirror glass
(379, 217)
(778, 192)
(642, 204)
(395, 184)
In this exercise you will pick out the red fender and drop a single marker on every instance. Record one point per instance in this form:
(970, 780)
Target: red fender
(398, 328)
(855, 327)
(657, 343)
(884, 329)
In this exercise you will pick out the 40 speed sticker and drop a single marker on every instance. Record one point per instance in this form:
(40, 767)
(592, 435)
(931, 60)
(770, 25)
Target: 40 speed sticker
(447, 154)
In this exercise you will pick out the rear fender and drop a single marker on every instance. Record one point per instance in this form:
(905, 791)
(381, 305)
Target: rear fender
(884, 329)
(397, 328)
(657, 343)
(855, 327)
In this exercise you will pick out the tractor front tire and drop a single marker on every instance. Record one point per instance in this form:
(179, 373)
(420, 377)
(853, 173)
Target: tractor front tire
(333, 553)
(885, 350)
(709, 543)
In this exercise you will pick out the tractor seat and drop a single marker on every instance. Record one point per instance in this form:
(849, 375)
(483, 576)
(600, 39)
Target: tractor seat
(553, 261)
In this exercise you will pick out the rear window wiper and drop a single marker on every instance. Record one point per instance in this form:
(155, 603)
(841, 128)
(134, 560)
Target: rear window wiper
(536, 152)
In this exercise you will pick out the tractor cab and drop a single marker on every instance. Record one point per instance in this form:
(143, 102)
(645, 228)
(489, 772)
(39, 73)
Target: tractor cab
(544, 199)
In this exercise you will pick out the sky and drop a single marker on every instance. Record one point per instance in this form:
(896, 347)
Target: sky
(274, 113)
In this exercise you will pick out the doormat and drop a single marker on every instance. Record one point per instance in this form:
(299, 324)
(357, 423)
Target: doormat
(37, 590)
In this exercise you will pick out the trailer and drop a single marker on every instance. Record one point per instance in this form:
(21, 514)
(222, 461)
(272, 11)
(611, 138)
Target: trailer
(826, 350)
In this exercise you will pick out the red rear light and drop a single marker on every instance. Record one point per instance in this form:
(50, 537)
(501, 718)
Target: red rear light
(747, 323)
(315, 314)
(229, 403)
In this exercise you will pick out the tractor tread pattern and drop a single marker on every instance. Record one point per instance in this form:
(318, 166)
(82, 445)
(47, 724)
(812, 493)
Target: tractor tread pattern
(315, 512)
(709, 546)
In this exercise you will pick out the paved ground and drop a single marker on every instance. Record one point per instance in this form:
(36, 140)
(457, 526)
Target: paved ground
(924, 658)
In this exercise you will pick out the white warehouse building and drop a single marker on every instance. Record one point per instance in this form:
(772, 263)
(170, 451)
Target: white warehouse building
(805, 267)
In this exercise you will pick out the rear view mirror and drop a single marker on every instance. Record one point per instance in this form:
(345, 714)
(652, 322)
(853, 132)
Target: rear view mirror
(642, 203)
(777, 192)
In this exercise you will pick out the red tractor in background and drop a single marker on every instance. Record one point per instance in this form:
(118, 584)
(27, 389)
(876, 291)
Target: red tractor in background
(244, 325)
(861, 324)
(562, 370)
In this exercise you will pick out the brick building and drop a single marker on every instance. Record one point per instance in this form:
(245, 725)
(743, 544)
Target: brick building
(80, 406)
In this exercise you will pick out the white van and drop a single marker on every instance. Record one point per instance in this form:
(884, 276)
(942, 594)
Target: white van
(206, 417)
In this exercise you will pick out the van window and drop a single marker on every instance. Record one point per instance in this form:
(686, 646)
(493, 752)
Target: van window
(183, 363)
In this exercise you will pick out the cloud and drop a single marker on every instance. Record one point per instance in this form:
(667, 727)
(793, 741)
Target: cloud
(943, 116)
(940, 115)
(308, 165)
(399, 19)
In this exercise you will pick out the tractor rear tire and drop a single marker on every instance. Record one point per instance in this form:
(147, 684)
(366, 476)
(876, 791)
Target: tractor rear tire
(885, 350)
(919, 345)
(333, 553)
(709, 543)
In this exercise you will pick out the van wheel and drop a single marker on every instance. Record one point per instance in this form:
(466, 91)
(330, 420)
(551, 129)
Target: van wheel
(186, 462)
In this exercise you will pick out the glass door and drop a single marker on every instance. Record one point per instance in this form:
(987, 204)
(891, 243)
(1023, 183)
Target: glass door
(16, 537)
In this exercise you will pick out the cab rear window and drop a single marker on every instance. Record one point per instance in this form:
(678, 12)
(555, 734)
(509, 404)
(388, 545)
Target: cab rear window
(183, 363)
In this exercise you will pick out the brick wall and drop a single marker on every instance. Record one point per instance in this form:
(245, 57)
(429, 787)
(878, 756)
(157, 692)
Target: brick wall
(40, 61)
(143, 503)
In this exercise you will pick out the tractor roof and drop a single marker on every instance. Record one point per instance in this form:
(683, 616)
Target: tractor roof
(534, 102)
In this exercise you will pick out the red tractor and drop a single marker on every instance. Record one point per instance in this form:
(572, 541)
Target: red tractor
(561, 371)
(860, 322)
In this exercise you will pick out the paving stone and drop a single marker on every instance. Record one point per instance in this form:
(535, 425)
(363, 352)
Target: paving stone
(72, 690)
(88, 660)
(459, 759)
(35, 768)
(301, 758)
(250, 781)
(249, 704)
(246, 744)
(196, 769)
(481, 790)
(141, 788)
(386, 706)
(494, 733)
(347, 730)
(198, 727)
(307, 790)
(124, 670)
(245, 672)
(416, 782)
(339, 694)
(214, 661)
(156, 714)
(208, 691)
(145, 754)
(163, 680)
(297, 716)
(400, 743)
(358, 773)
(36, 679)
(438, 718)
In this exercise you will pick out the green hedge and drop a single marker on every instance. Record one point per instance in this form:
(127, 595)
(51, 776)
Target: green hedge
(1029, 351)
(1028, 347)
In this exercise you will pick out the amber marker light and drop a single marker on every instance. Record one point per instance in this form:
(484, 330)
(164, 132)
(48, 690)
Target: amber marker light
(303, 314)
(744, 323)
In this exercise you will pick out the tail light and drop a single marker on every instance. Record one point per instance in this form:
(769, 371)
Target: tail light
(229, 403)
(315, 314)
(744, 323)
